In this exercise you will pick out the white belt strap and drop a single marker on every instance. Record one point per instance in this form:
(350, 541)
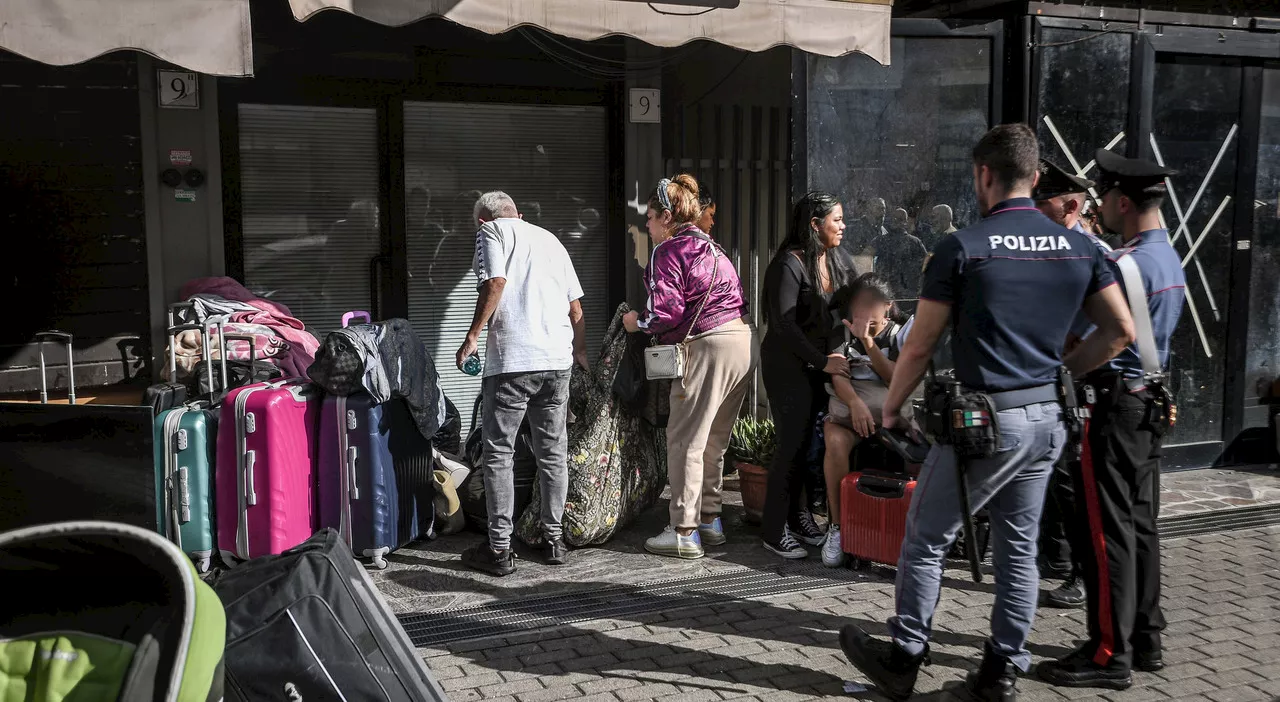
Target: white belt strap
(1137, 295)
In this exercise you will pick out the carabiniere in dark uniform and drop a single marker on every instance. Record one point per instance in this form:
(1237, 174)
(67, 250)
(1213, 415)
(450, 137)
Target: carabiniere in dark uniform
(1060, 195)
(1118, 482)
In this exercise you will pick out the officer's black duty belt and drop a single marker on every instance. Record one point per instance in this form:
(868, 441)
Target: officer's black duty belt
(1131, 385)
(1013, 399)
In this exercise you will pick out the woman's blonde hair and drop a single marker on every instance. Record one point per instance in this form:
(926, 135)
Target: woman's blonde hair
(679, 196)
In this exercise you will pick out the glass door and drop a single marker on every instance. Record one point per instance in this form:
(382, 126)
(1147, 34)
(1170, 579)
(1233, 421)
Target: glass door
(552, 159)
(893, 141)
(1262, 357)
(1195, 128)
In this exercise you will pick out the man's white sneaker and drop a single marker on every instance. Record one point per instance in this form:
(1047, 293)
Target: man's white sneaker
(832, 555)
(671, 543)
(712, 534)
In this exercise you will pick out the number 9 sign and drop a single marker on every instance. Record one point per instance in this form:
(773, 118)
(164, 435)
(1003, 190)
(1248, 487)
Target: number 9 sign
(178, 89)
(646, 105)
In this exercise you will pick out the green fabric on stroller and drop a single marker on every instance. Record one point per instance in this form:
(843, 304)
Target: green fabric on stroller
(100, 611)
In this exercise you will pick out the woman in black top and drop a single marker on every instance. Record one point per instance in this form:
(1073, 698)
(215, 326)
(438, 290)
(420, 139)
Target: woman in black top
(798, 286)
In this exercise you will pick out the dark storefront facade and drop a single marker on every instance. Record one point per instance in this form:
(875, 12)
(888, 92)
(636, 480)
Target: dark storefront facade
(341, 175)
(354, 155)
(1196, 92)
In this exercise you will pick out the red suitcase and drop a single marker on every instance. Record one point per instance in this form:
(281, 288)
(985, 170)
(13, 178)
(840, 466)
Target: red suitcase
(874, 515)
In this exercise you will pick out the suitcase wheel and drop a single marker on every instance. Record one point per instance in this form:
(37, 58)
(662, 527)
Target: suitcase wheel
(379, 562)
(203, 564)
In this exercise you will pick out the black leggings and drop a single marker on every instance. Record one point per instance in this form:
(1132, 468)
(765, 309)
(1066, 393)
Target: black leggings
(795, 396)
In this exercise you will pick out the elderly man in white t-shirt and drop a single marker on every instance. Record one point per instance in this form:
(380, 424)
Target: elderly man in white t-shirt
(531, 299)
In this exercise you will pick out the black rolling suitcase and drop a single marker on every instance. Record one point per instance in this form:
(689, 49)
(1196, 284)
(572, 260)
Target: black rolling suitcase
(309, 625)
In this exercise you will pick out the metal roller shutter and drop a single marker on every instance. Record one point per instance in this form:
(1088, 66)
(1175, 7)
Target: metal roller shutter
(552, 160)
(309, 198)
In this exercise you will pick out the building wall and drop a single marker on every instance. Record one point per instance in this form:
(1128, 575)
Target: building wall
(185, 235)
(72, 209)
(727, 120)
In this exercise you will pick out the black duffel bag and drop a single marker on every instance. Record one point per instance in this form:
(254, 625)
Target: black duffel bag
(448, 438)
(309, 624)
(471, 492)
(239, 374)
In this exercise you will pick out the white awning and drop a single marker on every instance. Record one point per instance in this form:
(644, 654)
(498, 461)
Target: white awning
(826, 27)
(207, 36)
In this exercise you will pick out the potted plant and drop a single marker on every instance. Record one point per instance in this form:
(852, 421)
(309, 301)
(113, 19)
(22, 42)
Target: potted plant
(752, 445)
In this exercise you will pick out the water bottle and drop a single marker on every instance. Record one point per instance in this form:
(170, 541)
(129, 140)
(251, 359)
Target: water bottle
(472, 366)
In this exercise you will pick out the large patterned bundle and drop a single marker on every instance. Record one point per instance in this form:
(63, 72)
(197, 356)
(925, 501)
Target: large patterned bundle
(617, 461)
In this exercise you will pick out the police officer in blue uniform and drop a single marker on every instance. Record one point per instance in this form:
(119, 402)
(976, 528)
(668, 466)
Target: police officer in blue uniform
(1119, 479)
(1060, 195)
(1008, 287)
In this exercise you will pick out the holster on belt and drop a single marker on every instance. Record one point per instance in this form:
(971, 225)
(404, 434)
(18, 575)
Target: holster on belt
(1077, 407)
(1162, 412)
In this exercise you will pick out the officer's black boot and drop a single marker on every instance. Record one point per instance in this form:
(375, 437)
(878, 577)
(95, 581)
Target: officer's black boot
(1078, 670)
(892, 669)
(1148, 655)
(1068, 595)
(993, 681)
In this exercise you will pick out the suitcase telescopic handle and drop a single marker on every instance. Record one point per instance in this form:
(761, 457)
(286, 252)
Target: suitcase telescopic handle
(253, 354)
(174, 331)
(185, 305)
(66, 338)
(247, 338)
(356, 314)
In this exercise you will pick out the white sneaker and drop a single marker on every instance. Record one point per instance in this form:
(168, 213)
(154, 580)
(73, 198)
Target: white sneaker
(671, 543)
(788, 547)
(712, 534)
(832, 555)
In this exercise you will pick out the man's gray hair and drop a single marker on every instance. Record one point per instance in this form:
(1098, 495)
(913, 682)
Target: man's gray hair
(495, 205)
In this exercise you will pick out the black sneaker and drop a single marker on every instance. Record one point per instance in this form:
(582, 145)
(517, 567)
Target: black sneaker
(1148, 661)
(806, 530)
(892, 669)
(788, 547)
(993, 681)
(482, 557)
(1077, 671)
(557, 552)
(1068, 595)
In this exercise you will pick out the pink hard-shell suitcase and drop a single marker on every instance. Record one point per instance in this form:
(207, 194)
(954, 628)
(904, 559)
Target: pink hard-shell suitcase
(265, 479)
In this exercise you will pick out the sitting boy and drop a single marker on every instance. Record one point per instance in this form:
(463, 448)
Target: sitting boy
(872, 334)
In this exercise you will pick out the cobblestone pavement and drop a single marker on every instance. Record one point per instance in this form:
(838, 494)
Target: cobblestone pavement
(1221, 597)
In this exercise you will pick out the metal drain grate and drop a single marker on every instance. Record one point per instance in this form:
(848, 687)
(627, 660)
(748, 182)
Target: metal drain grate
(1219, 520)
(525, 614)
(504, 617)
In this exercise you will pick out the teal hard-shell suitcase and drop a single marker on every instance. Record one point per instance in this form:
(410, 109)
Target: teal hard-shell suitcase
(184, 443)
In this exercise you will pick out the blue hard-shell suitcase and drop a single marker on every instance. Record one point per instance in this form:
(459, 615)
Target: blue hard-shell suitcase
(375, 475)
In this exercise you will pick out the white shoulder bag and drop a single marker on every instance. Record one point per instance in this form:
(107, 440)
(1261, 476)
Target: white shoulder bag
(1137, 295)
(667, 361)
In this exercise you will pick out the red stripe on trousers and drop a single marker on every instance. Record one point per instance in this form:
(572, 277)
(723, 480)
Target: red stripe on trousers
(1106, 647)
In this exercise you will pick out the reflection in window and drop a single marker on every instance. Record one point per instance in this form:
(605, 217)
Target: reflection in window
(1077, 118)
(1196, 119)
(552, 160)
(893, 142)
(309, 212)
(1262, 364)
